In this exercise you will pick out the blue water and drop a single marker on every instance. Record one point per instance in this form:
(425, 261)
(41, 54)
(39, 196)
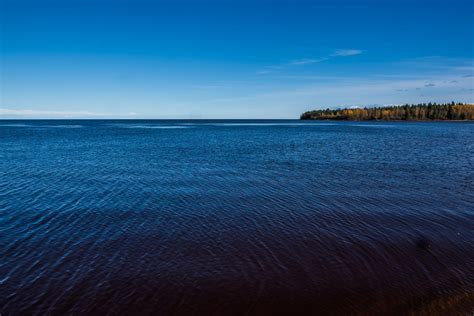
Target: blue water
(235, 217)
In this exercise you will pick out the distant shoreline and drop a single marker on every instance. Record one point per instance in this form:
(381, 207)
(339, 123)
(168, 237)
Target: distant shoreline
(425, 112)
(408, 121)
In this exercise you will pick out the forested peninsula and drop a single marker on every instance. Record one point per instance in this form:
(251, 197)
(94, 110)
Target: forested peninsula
(407, 112)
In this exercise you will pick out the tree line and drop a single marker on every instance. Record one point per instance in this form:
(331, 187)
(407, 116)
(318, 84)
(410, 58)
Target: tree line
(407, 112)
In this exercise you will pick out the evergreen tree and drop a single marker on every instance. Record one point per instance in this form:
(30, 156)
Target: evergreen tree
(430, 111)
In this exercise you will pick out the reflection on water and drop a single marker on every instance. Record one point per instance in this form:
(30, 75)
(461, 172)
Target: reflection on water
(236, 217)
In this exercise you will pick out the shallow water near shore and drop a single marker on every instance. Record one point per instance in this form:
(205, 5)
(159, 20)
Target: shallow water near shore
(236, 217)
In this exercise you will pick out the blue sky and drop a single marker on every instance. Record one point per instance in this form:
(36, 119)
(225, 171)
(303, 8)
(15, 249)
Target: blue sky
(230, 59)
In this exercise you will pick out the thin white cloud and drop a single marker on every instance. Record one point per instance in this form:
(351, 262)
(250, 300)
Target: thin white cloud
(55, 114)
(438, 63)
(358, 90)
(308, 61)
(305, 61)
(29, 112)
(346, 52)
(296, 62)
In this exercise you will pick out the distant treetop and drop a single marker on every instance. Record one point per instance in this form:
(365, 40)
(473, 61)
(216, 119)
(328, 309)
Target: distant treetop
(407, 112)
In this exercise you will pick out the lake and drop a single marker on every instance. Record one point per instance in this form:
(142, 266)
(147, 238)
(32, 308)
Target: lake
(236, 217)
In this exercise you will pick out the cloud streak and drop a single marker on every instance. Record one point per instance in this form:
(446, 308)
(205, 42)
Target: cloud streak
(305, 61)
(346, 52)
(58, 114)
(357, 90)
(308, 61)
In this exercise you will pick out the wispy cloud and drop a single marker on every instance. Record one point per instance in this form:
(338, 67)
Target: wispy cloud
(363, 91)
(346, 52)
(29, 112)
(308, 61)
(428, 85)
(305, 61)
(464, 66)
(57, 114)
(296, 62)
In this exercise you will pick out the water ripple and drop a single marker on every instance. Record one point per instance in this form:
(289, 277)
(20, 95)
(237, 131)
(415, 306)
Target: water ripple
(236, 217)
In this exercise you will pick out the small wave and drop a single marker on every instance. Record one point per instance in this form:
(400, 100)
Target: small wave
(15, 125)
(60, 126)
(156, 126)
(5, 279)
(41, 126)
(370, 125)
(266, 124)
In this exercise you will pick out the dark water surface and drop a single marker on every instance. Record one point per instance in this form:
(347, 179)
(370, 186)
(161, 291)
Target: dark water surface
(236, 217)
